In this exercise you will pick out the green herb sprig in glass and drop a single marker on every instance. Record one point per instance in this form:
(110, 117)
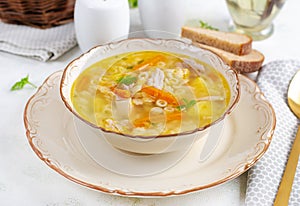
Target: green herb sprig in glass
(133, 3)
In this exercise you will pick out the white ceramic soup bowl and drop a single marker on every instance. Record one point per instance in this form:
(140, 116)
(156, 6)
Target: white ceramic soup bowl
(143, 144)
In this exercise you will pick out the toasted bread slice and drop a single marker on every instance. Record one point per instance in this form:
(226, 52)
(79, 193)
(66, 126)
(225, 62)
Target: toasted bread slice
(243, 64)
(238, 44)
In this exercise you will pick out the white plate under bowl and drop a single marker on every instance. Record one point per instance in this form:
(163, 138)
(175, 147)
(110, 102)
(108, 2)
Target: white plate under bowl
(52, 135)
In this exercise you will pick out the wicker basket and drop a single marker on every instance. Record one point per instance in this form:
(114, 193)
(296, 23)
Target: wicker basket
(37, 13)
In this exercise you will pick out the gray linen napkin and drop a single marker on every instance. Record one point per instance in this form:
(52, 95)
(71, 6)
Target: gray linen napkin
(264, 178)
(41, 44)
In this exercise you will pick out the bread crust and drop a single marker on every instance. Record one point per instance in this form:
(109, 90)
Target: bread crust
(247, 63)
(238, 44)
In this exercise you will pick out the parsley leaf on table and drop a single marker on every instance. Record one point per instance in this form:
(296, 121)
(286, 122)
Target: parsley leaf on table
(20, 84)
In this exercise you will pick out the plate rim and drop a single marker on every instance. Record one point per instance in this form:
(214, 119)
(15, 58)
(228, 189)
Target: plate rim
(121, 192)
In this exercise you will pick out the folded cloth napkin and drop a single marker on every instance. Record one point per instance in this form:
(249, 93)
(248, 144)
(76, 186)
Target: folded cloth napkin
(264, 178)
(41, 44)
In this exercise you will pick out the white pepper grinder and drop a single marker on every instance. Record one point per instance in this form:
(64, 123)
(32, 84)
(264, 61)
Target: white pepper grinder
(100, 21)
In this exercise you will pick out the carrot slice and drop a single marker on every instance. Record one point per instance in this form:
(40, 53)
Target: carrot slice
(142, 122)
(174, 116)
(150, 62)
(160, 94)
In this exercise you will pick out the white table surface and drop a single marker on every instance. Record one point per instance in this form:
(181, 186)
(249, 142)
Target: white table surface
(26, 180)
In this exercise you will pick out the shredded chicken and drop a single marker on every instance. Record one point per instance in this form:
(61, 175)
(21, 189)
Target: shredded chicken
(157, 79)
(121, 108)
(135, 89)
(138, 101)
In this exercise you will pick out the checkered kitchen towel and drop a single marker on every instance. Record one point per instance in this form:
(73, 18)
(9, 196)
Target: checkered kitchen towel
(41, 44)
(264, 178)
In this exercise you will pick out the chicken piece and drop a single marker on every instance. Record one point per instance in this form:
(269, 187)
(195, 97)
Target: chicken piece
(156, 79)
(121, 108)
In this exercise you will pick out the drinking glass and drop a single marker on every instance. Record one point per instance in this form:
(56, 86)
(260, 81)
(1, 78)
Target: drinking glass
(162, 18)
(254, 17)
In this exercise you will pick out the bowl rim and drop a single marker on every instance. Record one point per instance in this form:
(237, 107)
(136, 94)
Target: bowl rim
(74, 112)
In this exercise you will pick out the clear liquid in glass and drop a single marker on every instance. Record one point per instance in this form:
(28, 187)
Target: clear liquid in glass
(254, 17)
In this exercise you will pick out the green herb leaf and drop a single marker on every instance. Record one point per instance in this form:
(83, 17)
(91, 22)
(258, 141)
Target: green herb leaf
(181, 107)
(133, 3)
(205, 25)
(191, 103)
(187, 105)
(20, 84)
(127, 80)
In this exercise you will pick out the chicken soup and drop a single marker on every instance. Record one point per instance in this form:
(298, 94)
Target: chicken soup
(150, 93)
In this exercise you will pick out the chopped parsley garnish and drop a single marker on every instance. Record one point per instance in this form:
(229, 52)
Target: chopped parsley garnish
(187, 104)
(127, 80)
